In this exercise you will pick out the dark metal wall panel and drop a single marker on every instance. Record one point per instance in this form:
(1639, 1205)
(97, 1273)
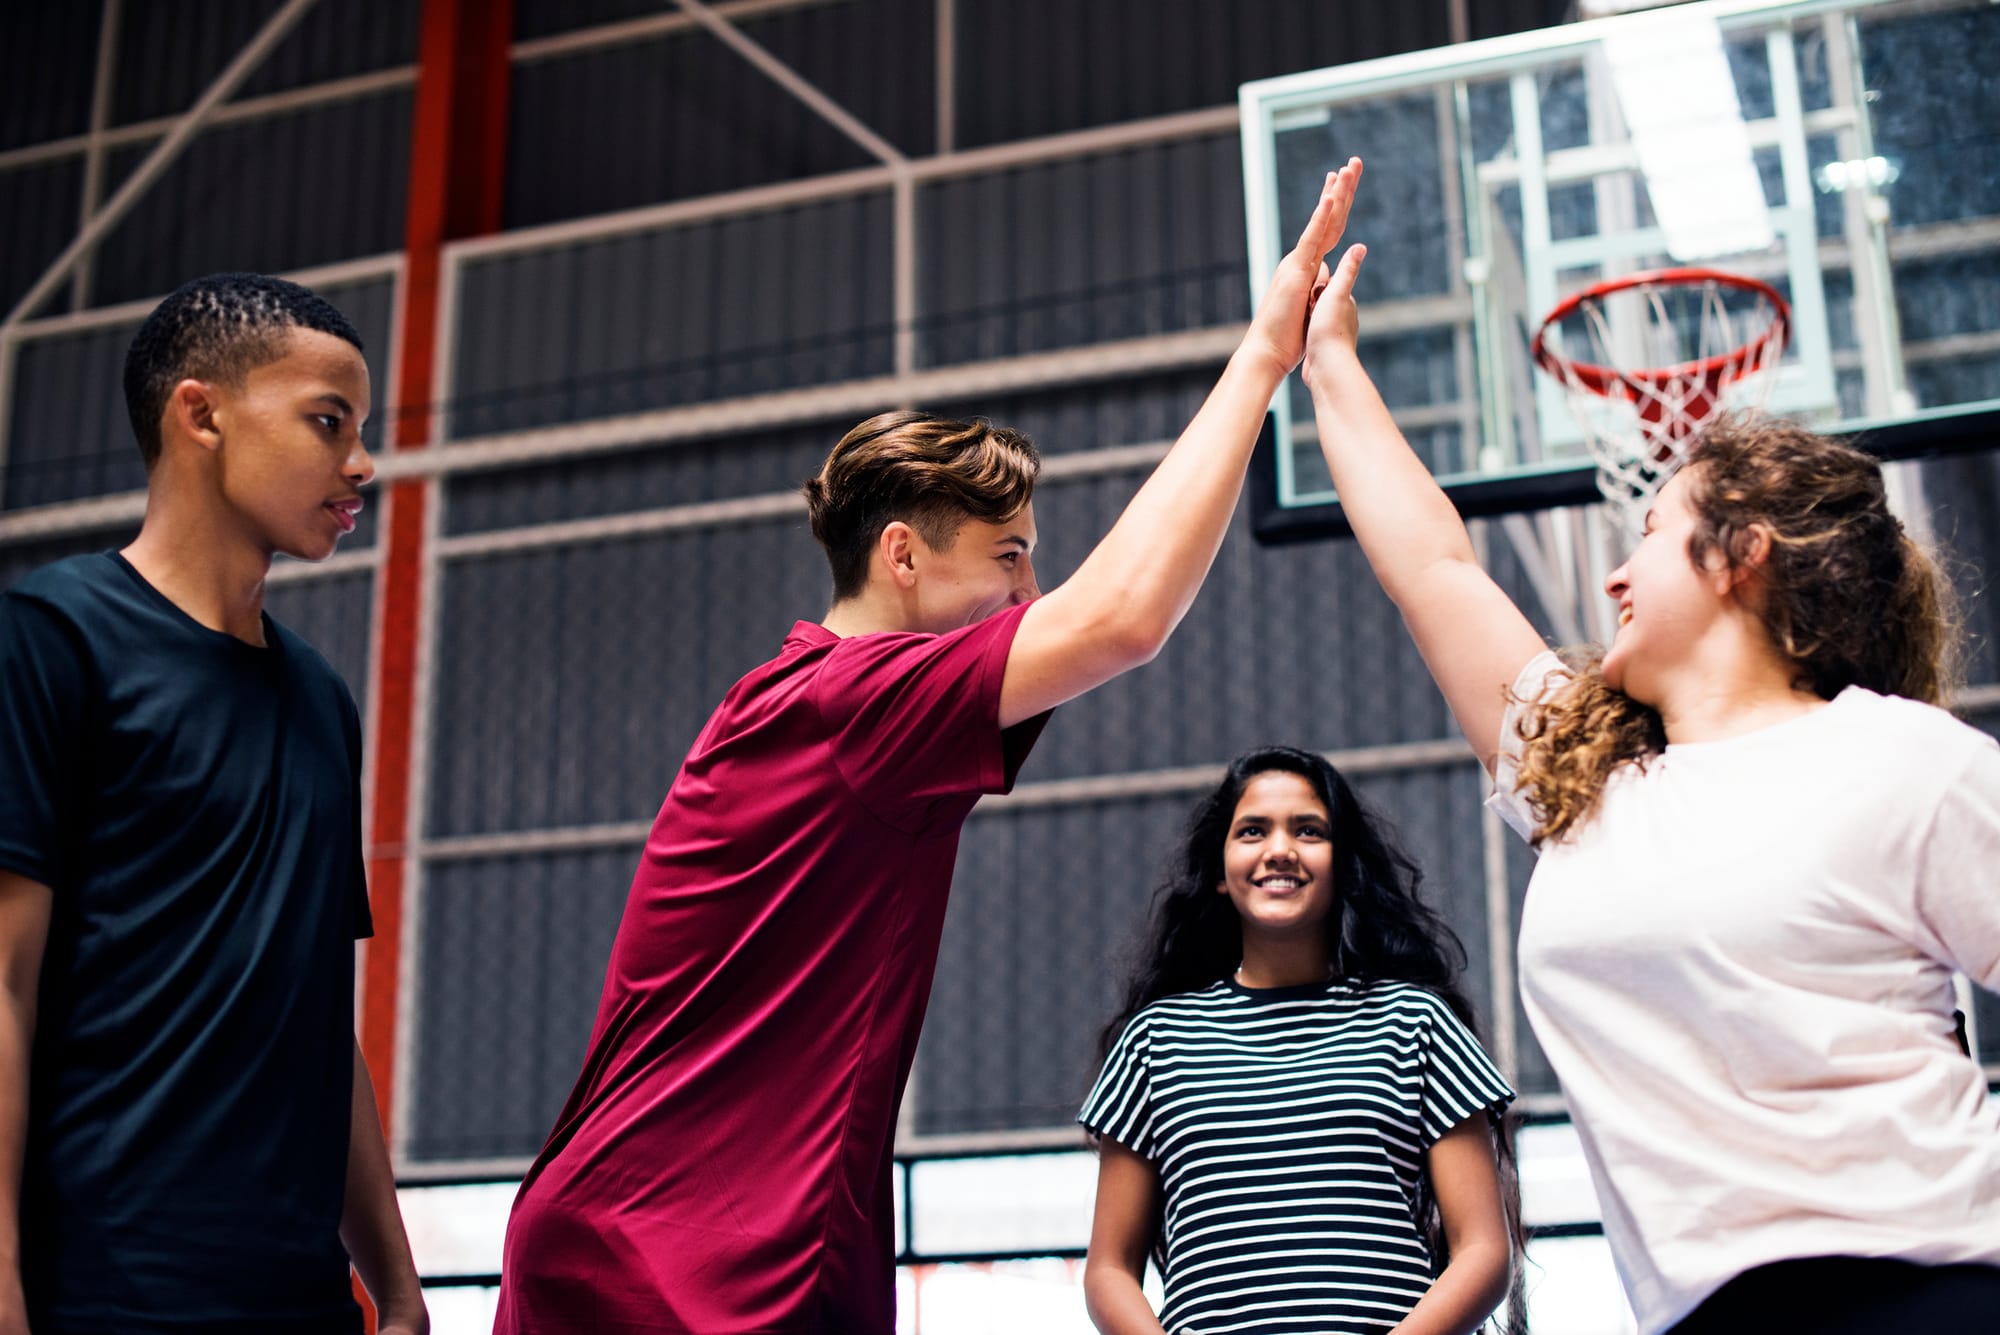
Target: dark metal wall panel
(674, 473)
(1294, 644)
(510, 967)
(1496, 18)
(1045, 903)
(711, 310)
(19, 558)
(39, 206)
(304, 188)
(1964, 495)
(683, 115)
(1121, 245)
(69, 437)
(1532, 1064)
(570, 682)
(547, 18)
(168, 54)
(876, 58)
(334, 614)
(1435, 815)
(47, 51)
(1098, 415)
(1036, 67)
(370, 306)
(1048, 906)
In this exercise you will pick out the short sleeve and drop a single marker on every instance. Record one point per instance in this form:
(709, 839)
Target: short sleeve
(1543, 674)
(914, 720)
(1120, 1106)
(1459, 1078)
(1957, 908)
(43, 678)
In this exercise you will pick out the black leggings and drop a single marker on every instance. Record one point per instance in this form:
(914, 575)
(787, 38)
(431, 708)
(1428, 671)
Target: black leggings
(1851, 1295)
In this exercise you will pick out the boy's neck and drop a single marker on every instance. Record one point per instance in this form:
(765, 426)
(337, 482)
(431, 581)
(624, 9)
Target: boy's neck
(866, 613)
(198, 568)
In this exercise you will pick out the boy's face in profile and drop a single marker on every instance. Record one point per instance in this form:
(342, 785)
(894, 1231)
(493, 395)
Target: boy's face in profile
(986, 569)
(292, 461)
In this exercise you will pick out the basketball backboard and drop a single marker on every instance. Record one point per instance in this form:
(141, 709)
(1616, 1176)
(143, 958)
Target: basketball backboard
(1847, 152)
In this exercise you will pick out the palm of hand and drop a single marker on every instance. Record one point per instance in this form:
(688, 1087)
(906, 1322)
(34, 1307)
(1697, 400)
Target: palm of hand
(1290, 300)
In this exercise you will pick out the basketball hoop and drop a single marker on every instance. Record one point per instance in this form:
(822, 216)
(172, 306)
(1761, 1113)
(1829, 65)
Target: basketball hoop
(1697, 342)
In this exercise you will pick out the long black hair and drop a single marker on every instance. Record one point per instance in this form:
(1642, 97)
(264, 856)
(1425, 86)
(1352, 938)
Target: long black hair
(1378, 930)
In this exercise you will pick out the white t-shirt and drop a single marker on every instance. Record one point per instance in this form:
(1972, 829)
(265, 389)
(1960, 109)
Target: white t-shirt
(1740, 968)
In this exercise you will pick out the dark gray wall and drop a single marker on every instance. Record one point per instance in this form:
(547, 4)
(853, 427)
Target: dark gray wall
(705, 311)
(568, 679)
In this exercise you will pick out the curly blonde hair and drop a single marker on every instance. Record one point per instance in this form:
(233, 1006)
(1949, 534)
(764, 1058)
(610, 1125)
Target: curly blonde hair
(1845, 595)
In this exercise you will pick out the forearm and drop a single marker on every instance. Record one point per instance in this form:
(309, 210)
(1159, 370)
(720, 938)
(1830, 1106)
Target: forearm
(1463, 1296)
(25, 907)
(1145, 573)
(16, 1041)
(1116, 1302)
(1401, 517)
(371, 1225)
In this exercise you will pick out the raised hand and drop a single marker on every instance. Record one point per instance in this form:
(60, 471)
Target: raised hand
(1335, 322)
(1278, 329)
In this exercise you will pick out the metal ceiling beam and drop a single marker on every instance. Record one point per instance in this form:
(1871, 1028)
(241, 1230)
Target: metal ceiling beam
(793, 82)
(162, 157)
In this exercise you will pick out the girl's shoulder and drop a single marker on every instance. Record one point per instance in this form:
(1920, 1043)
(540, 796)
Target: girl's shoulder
(1201, 1001)
(1414, 1007)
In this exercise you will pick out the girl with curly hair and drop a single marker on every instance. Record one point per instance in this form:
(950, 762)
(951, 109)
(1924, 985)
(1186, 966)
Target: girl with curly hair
(1764, 850)
(1294, 1116)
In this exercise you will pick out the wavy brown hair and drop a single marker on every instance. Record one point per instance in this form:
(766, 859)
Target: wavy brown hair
(931, 472)
(1845, 595)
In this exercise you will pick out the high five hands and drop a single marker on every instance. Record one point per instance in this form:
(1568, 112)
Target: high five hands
(1279, 328)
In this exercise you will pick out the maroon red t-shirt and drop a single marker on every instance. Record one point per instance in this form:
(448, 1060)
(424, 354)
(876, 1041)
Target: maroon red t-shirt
(723, 1165)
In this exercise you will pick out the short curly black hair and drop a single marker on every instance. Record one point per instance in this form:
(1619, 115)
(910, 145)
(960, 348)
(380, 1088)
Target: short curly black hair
(220, 327)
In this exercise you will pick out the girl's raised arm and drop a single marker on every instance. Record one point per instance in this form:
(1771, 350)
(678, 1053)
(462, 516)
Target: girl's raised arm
(1473, 638)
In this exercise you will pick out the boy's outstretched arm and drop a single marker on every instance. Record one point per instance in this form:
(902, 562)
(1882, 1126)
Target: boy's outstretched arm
(1117, 610)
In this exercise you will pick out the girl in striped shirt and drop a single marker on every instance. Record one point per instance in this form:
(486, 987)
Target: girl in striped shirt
(1295, 1118)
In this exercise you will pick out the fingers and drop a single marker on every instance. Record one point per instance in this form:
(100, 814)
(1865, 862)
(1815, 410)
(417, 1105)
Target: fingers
(1329, 216)
(1342, 282)
(1334, 315)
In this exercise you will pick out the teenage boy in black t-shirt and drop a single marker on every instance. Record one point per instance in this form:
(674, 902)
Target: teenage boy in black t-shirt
(188, 1138)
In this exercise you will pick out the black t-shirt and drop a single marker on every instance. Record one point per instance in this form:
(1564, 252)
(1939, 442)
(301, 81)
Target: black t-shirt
(193, 802)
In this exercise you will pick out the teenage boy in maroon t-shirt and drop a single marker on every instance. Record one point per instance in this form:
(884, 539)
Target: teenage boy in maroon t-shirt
(723, 1164)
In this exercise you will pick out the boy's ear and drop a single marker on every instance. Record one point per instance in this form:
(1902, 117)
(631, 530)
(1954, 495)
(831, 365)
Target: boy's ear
(897, 548)
(193, 411)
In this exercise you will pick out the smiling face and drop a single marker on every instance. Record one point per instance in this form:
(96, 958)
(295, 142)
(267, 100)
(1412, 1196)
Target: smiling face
(986, 568)
(1666, 603)
(1277, 860)
(287, 444)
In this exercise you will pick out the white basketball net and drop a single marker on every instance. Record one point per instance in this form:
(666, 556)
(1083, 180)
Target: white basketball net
(1650, 363)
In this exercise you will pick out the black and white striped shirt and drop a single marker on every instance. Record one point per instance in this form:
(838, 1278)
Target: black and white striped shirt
(1288, 1126)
